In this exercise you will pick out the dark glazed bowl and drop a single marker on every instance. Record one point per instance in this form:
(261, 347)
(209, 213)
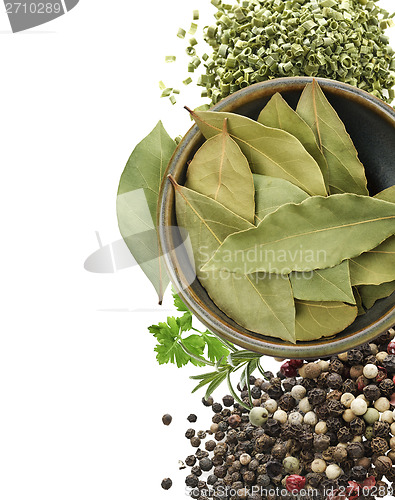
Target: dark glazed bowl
(371, 124)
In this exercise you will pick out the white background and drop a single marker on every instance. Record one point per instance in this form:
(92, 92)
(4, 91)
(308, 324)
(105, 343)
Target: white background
(81, 395)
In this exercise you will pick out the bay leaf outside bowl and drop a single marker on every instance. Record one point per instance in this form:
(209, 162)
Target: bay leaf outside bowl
(371, 124)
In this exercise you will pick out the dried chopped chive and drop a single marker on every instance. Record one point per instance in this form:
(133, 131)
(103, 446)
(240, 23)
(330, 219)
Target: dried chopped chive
(195, 15)
(176, 91)
(181, 33)
(167, 92)
(187, 81)
(170, 59)
(162, 86)
(191, 51)
(192, 41)
(172, 99)
(193, 28)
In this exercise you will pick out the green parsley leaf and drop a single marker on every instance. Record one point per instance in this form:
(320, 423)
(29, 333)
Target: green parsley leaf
(215, 348)
(179, 303)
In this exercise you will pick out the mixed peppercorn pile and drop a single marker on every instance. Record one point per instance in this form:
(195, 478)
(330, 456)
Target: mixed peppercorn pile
(326, 426)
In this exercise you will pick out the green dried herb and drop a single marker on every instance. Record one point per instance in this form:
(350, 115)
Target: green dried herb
(220, 171)
(269, 151)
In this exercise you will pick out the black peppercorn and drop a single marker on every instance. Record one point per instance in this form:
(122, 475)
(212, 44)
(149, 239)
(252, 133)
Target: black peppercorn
(287, 402)
(321, 442)
(358, 473)
(249, 476)
(314, 479)
(219, 435)
(335, 408)
(234, 421)
(389, 363)
(210, 445)
(381, 429)
(201, 434)
(191, 481)
(264, 443)
(190, 433)
(327, 454)
(228, 400)
(344, 435)
(383, 464)
(253, 465)
(387, 387)
(196, 471)
(273, 427)
(334, 395)
(217, 418)
(379, 445)
(217, 460)
(355, 450)
(279, 451)
(289, 383)
(316, 396)
(273, 468)
(371, 392)
(205, 464)
(256, 392)
(220, 471)
(306, 440)
(195, 442)
(212, 479)
(357, 426)
(322, 411)
(333, 424)
(354, 357)
(274, 390)
(334, 381)
(390, 475)
(263, 480)
(349, 386)
(201, 454)
(216, 407)
(308, 384)
(207, 402)
(221, 449)
(336, 366)
(167, 419)
(191, 460)
(167, 483)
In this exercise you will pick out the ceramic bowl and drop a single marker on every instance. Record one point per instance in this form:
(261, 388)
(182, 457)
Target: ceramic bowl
(371, 124)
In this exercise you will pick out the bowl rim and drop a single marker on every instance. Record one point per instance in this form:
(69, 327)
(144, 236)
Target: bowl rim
(323, 347)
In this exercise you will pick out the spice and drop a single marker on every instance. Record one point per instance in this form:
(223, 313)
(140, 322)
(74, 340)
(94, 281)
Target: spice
(167, 483)
(192, 418)
(167, 419)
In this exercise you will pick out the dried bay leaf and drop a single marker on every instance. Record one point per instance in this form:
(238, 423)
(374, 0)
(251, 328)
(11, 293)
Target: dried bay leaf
(315, 234)
(387, 195)
(331, 285)
(375, 266)
(272, 192)
(371, 293)
(259, 303)
(322, 319)
(346, 172)
(269, 151)
(278, 114)
(220, 171)
(358, 301)
(137, 202)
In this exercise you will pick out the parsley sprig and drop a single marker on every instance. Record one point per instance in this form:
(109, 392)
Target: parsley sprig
(180, 343)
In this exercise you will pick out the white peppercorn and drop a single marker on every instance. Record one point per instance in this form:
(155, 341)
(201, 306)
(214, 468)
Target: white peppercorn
(295, 418)
(346, 399)
(333, 471)
(318, 465)
(381, 356)
(373, 349)
(387, 416)
(321, 428)
(359, 406)
(392, 443)
(245, 459)
(393, 428)
(310, 418)
(370, 371)
(348, 415)
(304, 405)
(382, 405)
(271, 405)
(281, 416)
(298, 392)
(324, 365)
